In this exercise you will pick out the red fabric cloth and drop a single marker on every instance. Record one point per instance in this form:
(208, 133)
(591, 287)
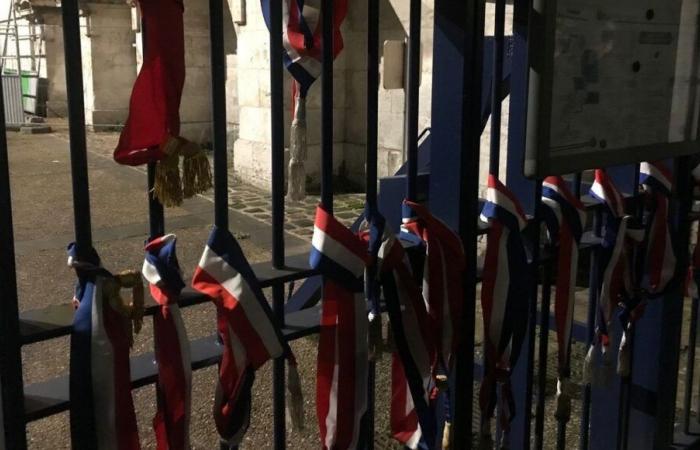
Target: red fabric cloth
(154, 108)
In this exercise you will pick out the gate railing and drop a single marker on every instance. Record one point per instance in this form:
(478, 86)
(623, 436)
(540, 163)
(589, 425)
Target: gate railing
(453, 196)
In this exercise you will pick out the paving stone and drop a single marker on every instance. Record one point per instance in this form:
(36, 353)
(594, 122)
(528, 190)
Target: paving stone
(253, 210)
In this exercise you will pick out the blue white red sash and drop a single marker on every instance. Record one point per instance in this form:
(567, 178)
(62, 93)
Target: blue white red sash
(302, 37)
(503, 299)
(412, 411)
(660, 258)
(565, 218)
(341, 379)
(619, 231)
(172, 348)
(100, 378)
(245, 326)
(443, 275)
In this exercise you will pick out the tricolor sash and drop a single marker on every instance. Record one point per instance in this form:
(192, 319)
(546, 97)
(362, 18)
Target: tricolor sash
(657, 181)
(442, 281)
(412, 415)
(102, 415)
(246, 329)
(302, 37)
(341, 380)
(503, 300)
(619, 232)
(565, 218)
(172, 348)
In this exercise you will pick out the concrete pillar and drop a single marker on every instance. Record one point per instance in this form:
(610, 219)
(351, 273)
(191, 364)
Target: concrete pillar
(109, 60)
(56, 104)
(252, 148)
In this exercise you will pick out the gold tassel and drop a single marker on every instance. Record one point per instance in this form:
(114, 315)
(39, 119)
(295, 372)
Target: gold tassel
(563, 403)
(295, 405)
(296, 186)
(167, 187)
(588, 366)
(196, 171)
(446, 436)
(132, 311)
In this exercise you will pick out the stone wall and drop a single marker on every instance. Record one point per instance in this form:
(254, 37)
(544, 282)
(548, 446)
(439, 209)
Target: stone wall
(56, 104)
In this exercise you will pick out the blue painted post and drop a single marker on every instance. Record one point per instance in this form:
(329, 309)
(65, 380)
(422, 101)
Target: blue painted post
(456, 131)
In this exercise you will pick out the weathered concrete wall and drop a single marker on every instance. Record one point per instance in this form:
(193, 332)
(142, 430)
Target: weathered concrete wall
(56, 104)
(108, 63)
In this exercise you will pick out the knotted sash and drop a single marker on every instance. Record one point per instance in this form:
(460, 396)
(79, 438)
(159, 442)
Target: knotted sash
(657, 182)
(246, 329)
(619, 231)
(341, 380)
(172, 348)
(102, 417)
(152, 129)
(302, 38)
(565, 218)
(503, 300)
(412, 414)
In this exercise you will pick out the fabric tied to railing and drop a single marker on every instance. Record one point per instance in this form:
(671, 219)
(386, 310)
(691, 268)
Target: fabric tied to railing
(565, 218)
(341, 381)
(172, 349)
(412, 409)
(152, 130)
(443, 293)
(102, 335)
(247, 331)
(618, 287)
(302, 39)
(657, 182)
(504, 303)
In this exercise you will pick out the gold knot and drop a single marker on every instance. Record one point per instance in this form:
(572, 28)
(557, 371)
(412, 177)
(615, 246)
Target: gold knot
(131, 310)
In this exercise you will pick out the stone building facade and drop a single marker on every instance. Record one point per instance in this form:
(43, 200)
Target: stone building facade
(111, 47)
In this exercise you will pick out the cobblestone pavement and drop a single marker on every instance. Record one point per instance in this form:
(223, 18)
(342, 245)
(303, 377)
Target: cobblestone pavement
(299, 216)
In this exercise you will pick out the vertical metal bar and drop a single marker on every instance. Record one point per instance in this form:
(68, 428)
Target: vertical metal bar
(690, 363)
(535, 239)
(278, 253)
(218, 102)
(327, 107)
(496, 103)
(11, 355)
(672, 314)
(590, 321)
(372, 100)
(76, 126)
(156, 214)
(468, 204)
(412, 101)
(542, 362)
(277, 133)
(371, 183)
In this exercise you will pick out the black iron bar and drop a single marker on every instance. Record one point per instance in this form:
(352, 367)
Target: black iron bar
(532, 319)
(593, 287)
(496, 102)
(412, 100)
(76, 125)
(367, 437)
(463, 393)
(11, 356)
(543, 350)
(327, 107)
(277, 133)
(372, 101)
(690, 369)
(218, 109)
(278, 253)
(638, 262)
(156, 214)
(577, 185)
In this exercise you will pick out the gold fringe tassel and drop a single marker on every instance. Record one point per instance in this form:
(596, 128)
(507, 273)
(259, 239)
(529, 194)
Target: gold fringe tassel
(171, 188)
(167, 187)
(132, 311)
(196, 171)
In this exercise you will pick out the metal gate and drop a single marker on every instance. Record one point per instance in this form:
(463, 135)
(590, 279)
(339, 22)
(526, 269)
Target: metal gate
(633, 412)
